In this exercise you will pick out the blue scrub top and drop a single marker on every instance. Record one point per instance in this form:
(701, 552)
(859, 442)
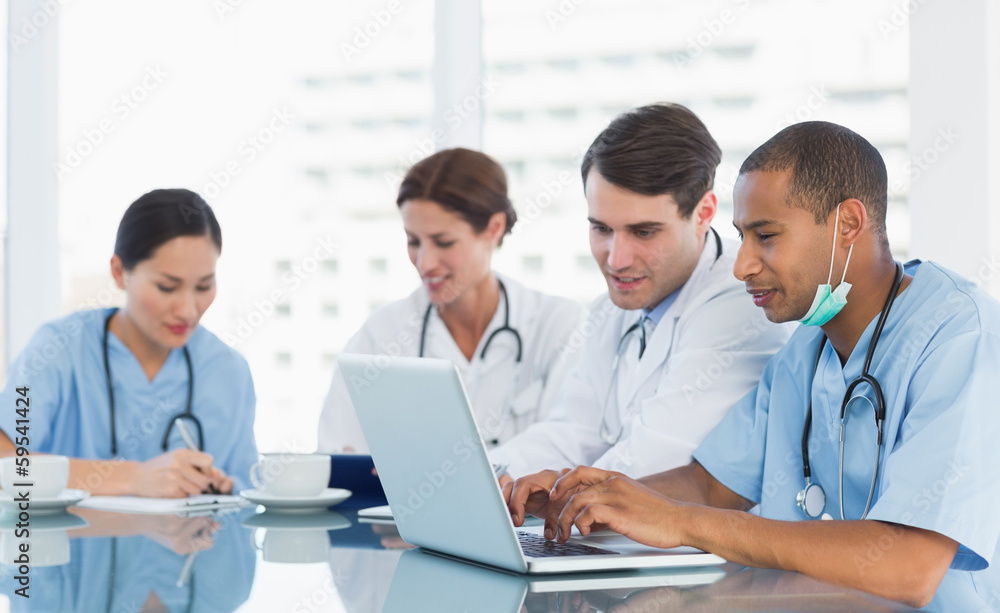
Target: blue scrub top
(69, 412)
(937, 361)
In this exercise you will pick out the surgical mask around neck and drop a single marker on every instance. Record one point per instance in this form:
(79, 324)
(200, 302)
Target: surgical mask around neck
(827, 303)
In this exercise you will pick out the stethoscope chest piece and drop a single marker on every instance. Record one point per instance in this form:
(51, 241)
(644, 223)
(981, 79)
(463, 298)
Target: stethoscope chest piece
(812, 500)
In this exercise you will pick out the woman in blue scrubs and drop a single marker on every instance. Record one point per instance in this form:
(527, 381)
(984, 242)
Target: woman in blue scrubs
(126, 392)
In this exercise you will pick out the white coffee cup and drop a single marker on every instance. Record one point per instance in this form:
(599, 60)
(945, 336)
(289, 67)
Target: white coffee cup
(45, 547)
(293, 546)
(291, 474)
(47, 474)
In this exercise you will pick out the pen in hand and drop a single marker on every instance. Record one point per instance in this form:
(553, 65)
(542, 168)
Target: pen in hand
(189, 441)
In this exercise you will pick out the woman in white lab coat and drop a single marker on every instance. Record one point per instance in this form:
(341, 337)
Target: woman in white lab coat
(511, 344)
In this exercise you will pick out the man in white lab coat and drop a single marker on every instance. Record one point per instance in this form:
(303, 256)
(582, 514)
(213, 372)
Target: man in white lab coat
(675, 343)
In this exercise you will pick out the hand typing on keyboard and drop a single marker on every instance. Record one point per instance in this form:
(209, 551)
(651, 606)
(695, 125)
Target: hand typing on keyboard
(535, 546)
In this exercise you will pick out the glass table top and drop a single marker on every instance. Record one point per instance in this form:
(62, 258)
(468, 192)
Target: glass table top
(246, 560)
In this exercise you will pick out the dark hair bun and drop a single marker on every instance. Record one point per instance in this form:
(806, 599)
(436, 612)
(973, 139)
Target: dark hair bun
(159, 216)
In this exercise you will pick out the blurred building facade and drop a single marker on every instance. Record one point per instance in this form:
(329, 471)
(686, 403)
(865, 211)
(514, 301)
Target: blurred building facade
(313, 241)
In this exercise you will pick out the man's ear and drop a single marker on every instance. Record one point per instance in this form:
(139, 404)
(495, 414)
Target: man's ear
(118, 271)
(704, 212)
(853, 220)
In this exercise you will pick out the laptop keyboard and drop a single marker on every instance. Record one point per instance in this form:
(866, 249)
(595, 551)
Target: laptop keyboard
(535, 546)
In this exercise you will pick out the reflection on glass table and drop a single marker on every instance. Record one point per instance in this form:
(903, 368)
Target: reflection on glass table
(49, 542)
(331, 563)
(130, 562)
(362, 561)
(441, 584)
(294, 538)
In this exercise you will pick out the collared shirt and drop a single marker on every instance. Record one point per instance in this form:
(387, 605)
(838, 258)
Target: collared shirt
(936, 362)
(650, 318)
(656, 313)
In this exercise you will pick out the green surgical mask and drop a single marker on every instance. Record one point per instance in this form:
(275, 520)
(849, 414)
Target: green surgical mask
(828, 303)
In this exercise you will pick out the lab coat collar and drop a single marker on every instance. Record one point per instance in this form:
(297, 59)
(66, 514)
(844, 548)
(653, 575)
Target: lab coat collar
(660, 343)
(500, 350)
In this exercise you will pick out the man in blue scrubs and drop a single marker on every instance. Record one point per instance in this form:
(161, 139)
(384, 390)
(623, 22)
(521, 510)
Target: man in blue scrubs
(813, 188)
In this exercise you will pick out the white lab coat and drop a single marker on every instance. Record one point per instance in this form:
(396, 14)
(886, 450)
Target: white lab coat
(707, 352)
(545, 324)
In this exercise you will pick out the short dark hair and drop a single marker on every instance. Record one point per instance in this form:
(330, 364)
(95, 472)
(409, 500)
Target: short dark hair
(160, 216)
(829, 164)
(654, 150)
(464, 181)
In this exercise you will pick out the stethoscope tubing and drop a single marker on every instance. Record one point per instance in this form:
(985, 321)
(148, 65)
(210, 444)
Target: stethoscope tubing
(508, 408)
(879, 409)
(186, 414)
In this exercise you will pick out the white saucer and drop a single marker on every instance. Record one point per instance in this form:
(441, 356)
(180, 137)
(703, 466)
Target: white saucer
(297, 504)
(43, 506)
(45, 523)
(298, 521)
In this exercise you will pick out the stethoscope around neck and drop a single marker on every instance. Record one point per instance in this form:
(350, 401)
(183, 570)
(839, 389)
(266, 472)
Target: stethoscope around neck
(812, 499)
(609, 437)
(185, 415)
(508, 407)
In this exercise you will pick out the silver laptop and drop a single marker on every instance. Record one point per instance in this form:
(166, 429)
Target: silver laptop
(440, 485)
